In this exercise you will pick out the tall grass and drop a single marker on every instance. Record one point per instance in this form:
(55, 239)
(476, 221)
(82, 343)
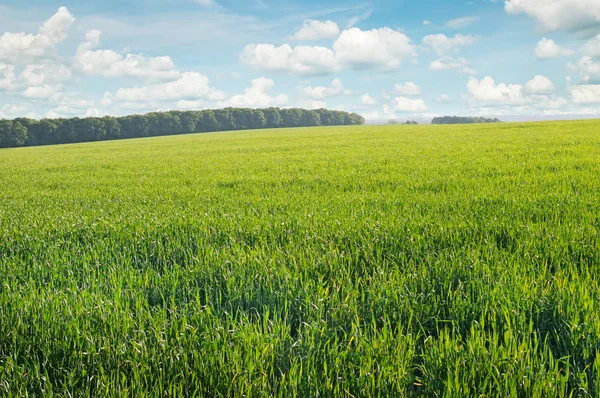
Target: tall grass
(351, 261)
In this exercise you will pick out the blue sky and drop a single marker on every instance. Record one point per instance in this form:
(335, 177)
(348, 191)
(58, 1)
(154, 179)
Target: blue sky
(382, 59)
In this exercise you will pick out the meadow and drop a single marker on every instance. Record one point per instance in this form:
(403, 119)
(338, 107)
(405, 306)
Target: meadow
(335, 261)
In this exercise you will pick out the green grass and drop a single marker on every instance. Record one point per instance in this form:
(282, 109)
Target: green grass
(351, 261)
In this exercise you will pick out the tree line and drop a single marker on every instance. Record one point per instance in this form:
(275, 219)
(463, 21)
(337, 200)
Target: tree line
(463, 120)
(394, 121)
(29, 132)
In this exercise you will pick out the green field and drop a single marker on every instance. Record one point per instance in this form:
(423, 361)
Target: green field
(342, 261)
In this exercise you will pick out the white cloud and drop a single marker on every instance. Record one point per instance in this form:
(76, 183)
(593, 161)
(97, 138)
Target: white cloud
(20, 110)
(367, 100)
(317, 30)
(488, 92)
(461, 23)
(319, 92)
(256, 96)
(443, 44)
(592, 47)
(72, 100)
(300, 60)
(106, 99)
(553, 15)
(588, 69)
(41, 92)
(586, 94)
(7, 76)
(547, 48)
(21, 47)
(443, 98)
(191, 85)
(540, 85)
(112, 64)
(38, 81)
(536, 96)
(426, 23)
(404, 104)
(380, 49)
(408, 89)
(383, 49)
(461, 65)
(40, 74)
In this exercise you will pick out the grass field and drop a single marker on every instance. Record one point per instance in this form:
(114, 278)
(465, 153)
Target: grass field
(353, 261)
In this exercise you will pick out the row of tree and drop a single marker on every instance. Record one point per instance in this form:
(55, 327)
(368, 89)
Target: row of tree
(463, 120)
(29, 132)
(394, 121)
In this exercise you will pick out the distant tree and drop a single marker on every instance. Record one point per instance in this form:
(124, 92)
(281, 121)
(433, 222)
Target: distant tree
(207, 122)
(225, 119)
(410, 122)
(463, 120)
(12, 134)
(23, 131)
(356, 119)
(291, 117)
(258, 119)
(310, 118)
(111, 127)
(392, 121)
(273, 117)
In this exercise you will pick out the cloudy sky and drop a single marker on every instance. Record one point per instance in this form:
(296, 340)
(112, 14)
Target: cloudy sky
(381, 58)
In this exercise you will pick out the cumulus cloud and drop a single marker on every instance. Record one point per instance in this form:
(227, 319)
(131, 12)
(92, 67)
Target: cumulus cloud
(16, 110)
(547, 48)
(406, 105)
(592, 47)
(317, 30)
(443, 98)
(461, 65)
(37, 81)
(538, 93)
(191, 85)
(383, 48)
(379, 49)
(71, 105)
(585, 94)
(367, 100)
(21, 47)
(589, 70)
(112, 64)
(442, 44)
(540, 85)
(319, 92)
(300, 60)
(486, 91)
(564, 15)
(7, 76)
(43, 73)
(408, 89)
(256, 96)
(461, 23)
(42, 92)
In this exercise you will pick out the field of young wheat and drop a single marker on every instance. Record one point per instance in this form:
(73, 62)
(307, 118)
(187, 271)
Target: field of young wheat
(340, 261)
